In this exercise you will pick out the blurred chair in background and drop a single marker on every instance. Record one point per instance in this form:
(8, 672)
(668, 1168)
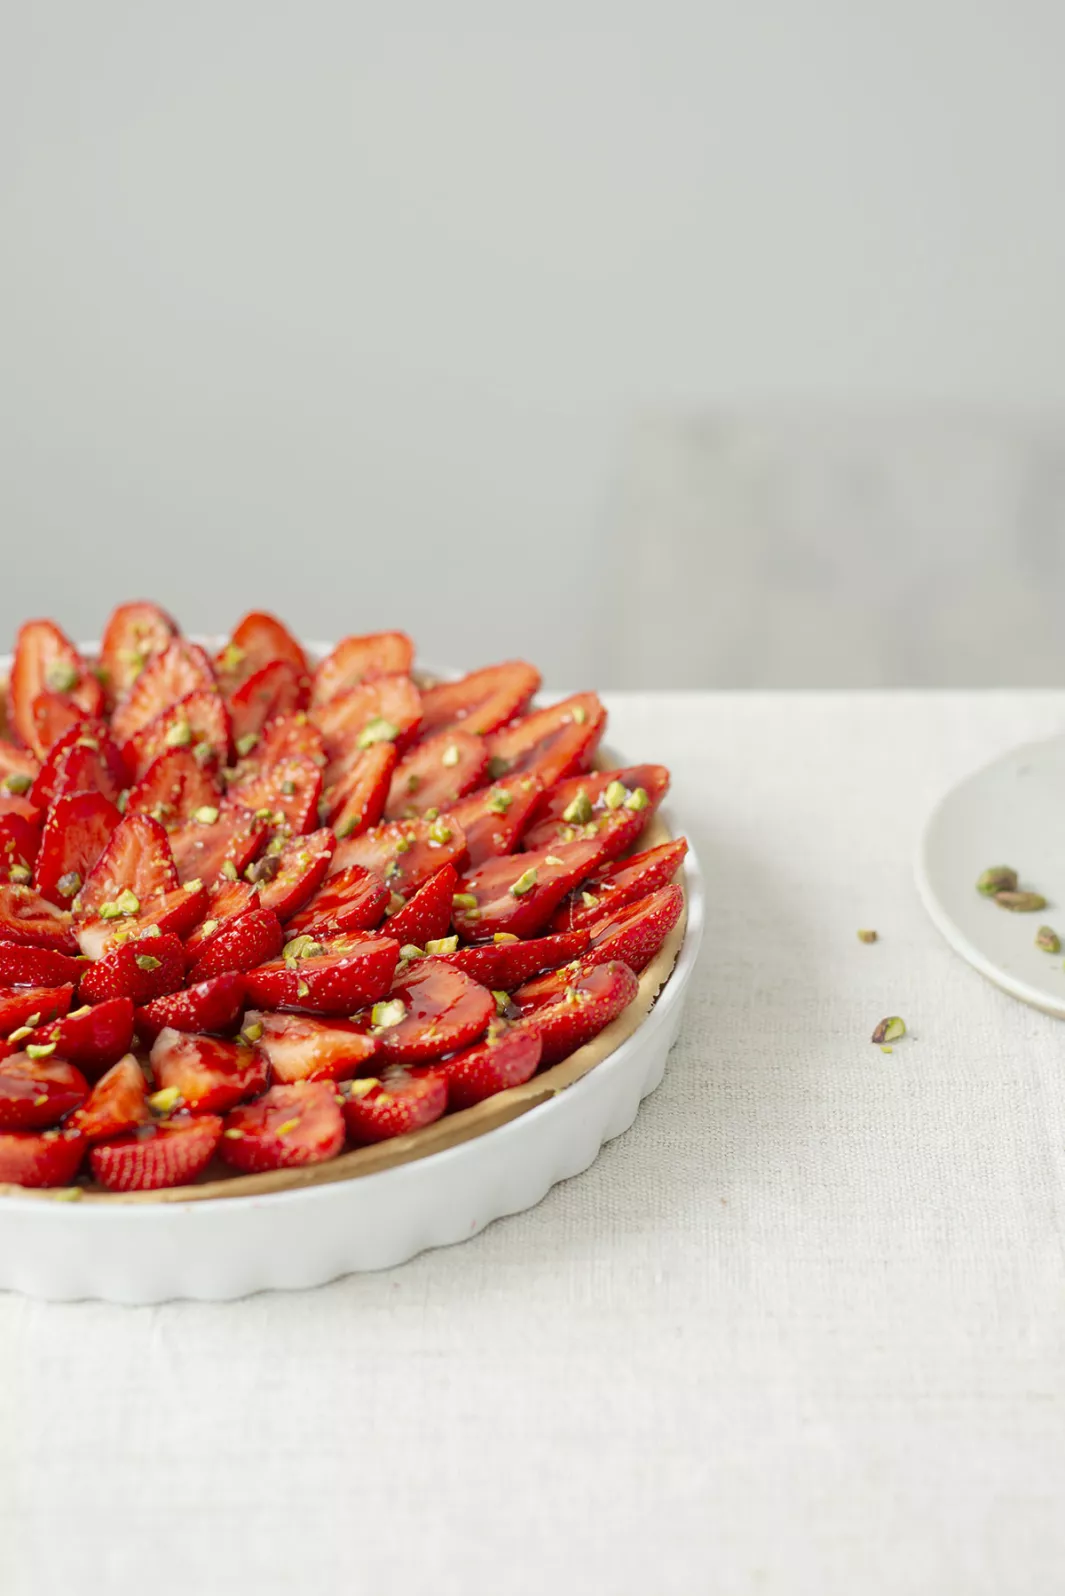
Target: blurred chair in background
(820, 550)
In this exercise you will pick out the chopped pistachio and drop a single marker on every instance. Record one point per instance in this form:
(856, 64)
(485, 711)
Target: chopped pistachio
(88, 742)
(1047, 939)
(378, 730)
(17, 782)
(302, 989)
(346, 828)
(288, 787)
(288, 1127)
(209, 927)
(146, 961)
(123, 800)
(206, 814)
(505, 936)
(229, 870)
(999, 878)
(86, 1008)
(500, 802)
(39, 1102)
(385, 1015)
(440, 833)
(302, 947)
(637, 799)
(404, 844)
(193, 886)
(360, 1087)
(252, 1032)
(391, 869)
(165, 1100)
(451, 756)
(410, 950)
(35, 1019)
(395, 903)
(589, 900)
(866, 936)
(67, 1194)
(1021, 902)
(442, 945)
(39, 1049)
(431, 814)
(414, 781)
(68, 885)
(127, 903)
(246, 743)
(463, 900)
(579, 811)
(61, 676)
(234, 1134)
(890, 1030)
(553, 859)
(21, 875)
(231, 656)
(502, 1001)
(23, 1031)
(497, 766)
(524, 884)
(579, 714)
(615, 795)
(179, 735)
(203, 753)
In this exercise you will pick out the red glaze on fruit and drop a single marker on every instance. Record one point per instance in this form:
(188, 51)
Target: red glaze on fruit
(118, 1102)
(358, 787)
(520, 893)
(137, 860)
(435, 774)
(426, 916)
(387, 709)
(209, 1074)
(288, 791)
(352, 971)
(54, 714)
(595, 998)
(27, 917)
(286, 877)
(180, 670)
(507, 1057)
(288, 1127)
(52, 1158)
(352, 900)
(212, 1005)
(20, 840)
(277, 689)
(141, 969)
(78, 829)
(93, 1038)
(85, 759)
(176, 912)
(22, 965)
(240, 945)
(482, 701)
(46, 661)
(135, 635)
(404, 854)
(618, 883)
(259, 640)
(205, 849)
(550, 743)
(494, 818)
(624, 799)
(357, 659)
(173, 787)
(32, 1005)
(225, 901)
(289, 736)
(199, 722)
(36, 1093)
(635, 932)
(502, 966)
(17, 763)
(299, 1047)
(431, 1010)
(171, 1153)
(394, 1104)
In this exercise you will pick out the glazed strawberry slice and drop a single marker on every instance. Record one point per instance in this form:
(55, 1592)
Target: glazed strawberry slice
(356, 659)
(173, 788)
(175, 912)
(199, 722)
(85, 759)
(352, 900)
(426, 916)
(289, 736)
(22, 965)
(118, 1102)
(171, 1153)
(502, 966)
(218, 841)
(27, 917)
(22, 1006)
(397, 1103)
(508, 1056)
(482, 701)
(635, 932)
(137, 860)
(50, 1159)
(348, 972)
(240, 945)
(38, 1092)
(225, 901)
(618, 883)
(624, 799)
(436, 774)
(135, 635)
(286, 792)
(54, 715)
(519, 894)
(288, 1127)
(355, 798)
(212, 1005)
(431, 1010)
(386, 710)
(23, 808)
(78, 829)
(180, 670)
(287, 876)
(20, 840)
(551, 743)
(258, 640)
(403, 854)
(19, 769)
(93, 1038)
(208, 1074)
(277, 689)
(494, 818)
(46, 661)
(141, 969)
(587, 1006)
(298, 1047)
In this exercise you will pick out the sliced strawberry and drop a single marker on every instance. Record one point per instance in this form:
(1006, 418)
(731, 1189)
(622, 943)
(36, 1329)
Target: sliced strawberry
(507, 1057)
(118, 1102)
(54, 714)
(580, 1012)
(625, 798)
(431, 1010)
(288, 1127)
(618, 883)
(38, 1092)
(141, 969)
(240, 945)
(20, 840)
(502, 966)
(352, 900)
(349, 972)
(212, 1005)
(482, 701)
(494, 818)
(199, 722)
(136, 861)
(258, 640)
(171, 1153)
(27, 917)
(85, 759)
(91, 1038)
(21, 965)
(288, 792)
(175, 912)
(226, 900)
(288, 736)
(357, 659)
(298, 1047)
(436, 774)
(134, 636)
(216, 844)
(386, 710)
(288, 877)
(173, 788)
(77, 831)
(181, 669)
(210, 1075)
(403, 854)
(401, 1101)
(277, 689)
(426, 915)
(355, 800)
(519, 894)
(47, 662)
(19, 769)
(23, 808)
(51, 1159)
(552, 742)
(635, 932)
(31, 1005)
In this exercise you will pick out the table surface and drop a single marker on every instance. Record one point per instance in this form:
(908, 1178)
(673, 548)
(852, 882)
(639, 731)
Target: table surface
(800, 1330)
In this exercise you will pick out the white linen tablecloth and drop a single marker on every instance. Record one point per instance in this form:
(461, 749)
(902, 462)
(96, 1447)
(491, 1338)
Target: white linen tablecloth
(801, 1330)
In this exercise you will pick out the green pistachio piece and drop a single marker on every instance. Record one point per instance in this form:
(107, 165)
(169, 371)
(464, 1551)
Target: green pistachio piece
(207, 814)
(637, 799)
(234, 1134)
(999, 878)
(302, 947)
(579, 714)
(61, 676)
(497, 766)
(404, 844)
(1047, 939)
(68, 885)
(288, 788)
(1021, 902)
(553, 859)
(17, 782)
(251, 1033)
(440, 833)
(377, 730)
(589, 900)
(123, 800)
(866, 936)
(505, 936)
(165, 1100)
(246, 743)
(39, 1049)
(889, 1030)
(302, 989)
(451, 756)
(463, 900)
(146, 961)
(411, 950)
(615, 795)
(524, 884)
(500, 802)
(179, 735)
(442, 945)
(22, 1032)
(579, 812)
(21, 876)
(288, 1127)
(229, 870)
(395, 903)
(208, 928)
(502, 1001)
(385, 1015)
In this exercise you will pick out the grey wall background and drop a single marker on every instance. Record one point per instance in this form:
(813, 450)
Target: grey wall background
(356, 311)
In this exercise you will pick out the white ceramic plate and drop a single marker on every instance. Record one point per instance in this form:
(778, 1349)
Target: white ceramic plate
(1010, 813)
